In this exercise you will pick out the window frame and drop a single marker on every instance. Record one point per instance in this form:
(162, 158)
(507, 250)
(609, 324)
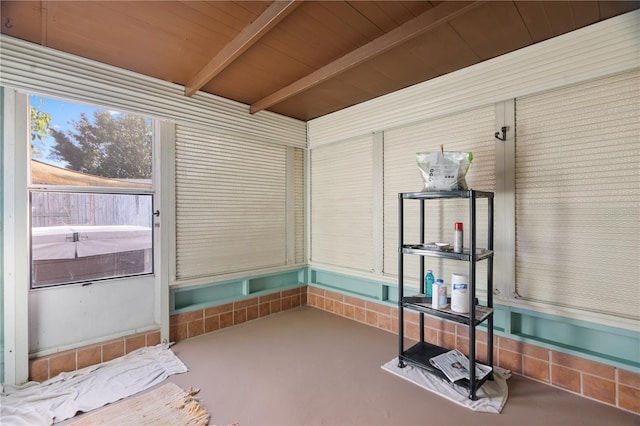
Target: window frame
(89, 191)
(100, 190)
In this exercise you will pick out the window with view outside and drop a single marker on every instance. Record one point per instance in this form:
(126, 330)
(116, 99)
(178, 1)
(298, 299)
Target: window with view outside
(91, 193)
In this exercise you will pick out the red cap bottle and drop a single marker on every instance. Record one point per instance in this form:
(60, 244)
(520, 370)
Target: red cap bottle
(457, 237)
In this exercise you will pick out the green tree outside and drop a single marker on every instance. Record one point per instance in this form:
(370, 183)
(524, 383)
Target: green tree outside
(39, 125)
(115, 146)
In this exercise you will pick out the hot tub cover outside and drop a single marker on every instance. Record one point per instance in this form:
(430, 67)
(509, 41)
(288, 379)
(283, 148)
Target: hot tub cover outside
(69, 242)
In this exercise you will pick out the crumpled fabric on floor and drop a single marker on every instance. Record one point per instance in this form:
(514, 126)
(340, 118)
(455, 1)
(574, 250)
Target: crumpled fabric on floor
(492, 395)
(61, 397)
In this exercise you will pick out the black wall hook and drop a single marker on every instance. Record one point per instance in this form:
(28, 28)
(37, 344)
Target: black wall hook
(504, 134)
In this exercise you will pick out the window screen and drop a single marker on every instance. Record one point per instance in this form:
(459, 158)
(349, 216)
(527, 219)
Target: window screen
(578, 196)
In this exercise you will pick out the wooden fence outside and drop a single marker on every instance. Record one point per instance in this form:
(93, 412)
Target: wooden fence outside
(58, 209)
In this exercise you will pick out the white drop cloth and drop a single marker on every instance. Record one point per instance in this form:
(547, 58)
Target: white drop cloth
(61, 397)
(492, 395)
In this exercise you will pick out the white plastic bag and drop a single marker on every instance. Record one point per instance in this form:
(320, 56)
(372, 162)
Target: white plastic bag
(444, 171)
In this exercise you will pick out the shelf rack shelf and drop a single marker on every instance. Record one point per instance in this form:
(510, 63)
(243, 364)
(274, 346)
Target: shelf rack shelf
(419, 355)
(465, 255)
(421, 303)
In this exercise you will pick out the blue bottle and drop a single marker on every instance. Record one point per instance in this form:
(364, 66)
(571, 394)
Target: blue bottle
(429, 279)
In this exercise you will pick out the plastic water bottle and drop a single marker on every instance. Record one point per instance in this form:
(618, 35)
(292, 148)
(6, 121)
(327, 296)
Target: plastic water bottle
(439, 299)
(429, 279)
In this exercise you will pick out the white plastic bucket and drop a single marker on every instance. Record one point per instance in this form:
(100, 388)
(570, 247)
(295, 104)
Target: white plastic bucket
(460, 293)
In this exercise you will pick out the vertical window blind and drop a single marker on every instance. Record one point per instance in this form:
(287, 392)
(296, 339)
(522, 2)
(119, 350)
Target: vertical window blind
(342, 204)
(466, 131)
(578, 196)
(231, 203)
(299, 199)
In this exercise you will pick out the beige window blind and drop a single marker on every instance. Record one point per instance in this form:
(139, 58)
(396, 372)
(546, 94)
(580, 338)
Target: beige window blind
(299, 197)
(342, 204)
(578, 196)
(230, 203)
(466, 131)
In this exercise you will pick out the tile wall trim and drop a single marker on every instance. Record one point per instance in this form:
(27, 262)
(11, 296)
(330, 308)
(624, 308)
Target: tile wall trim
(181, 326)
(603, 383)
(46, 367)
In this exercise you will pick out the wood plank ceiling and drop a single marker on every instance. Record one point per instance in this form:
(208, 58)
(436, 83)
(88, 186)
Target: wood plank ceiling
(303, 59)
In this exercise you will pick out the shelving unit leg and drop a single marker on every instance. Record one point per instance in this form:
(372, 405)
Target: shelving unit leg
(401, 363)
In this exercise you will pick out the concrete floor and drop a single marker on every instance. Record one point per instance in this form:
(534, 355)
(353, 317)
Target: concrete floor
(309, 367)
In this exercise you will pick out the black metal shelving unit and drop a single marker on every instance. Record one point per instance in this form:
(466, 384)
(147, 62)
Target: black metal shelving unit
(420, 353)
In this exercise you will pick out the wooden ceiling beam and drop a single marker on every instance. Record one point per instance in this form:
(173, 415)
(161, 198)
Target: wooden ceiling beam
(275, 13)
(428, 20)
